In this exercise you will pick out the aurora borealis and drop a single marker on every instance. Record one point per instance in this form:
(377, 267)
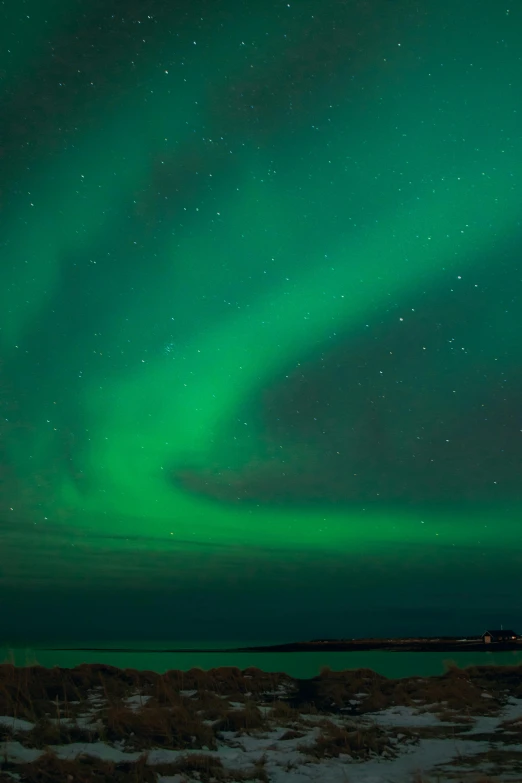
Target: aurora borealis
(260, 313)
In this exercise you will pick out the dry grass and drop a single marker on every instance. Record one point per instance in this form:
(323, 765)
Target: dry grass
(458, 690)
(46, 732)
(418, 777)
(359, 743)
(244, 720)
(227, 680)
(83, 770)
(54, 699)
(156, 726)
(283, 712)
(208, 769)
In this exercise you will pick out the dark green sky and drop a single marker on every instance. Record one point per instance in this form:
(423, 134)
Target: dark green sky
(260, 318)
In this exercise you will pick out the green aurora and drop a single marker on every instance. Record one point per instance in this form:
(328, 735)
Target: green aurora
(260, 309)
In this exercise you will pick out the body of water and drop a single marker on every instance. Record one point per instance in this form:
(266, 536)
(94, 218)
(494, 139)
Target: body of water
(299, 665)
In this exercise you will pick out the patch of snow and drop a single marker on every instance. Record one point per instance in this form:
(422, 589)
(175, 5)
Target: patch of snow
(513, 709)
(173, 779)
(98, 750)
(406, 716)
(136, 701)
(17, 754)
(16, 724)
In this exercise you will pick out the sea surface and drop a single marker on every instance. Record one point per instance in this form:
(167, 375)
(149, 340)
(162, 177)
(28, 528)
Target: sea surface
(158, 657)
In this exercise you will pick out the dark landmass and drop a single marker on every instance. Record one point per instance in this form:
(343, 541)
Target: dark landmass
(440, 644)
(425, 644)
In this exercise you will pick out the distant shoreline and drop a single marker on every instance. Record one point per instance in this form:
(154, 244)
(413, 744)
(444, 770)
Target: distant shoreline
(438, 645)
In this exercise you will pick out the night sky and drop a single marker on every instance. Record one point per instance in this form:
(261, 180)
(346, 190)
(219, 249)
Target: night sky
(260, 318)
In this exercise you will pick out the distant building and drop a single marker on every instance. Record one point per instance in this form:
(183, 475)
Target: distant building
(507, 635)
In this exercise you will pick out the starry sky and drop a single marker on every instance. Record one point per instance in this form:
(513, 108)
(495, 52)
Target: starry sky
(260, 318)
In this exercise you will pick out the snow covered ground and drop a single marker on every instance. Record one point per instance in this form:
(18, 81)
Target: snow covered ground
(228, 725)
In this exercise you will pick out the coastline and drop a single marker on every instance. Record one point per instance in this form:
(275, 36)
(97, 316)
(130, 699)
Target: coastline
(439, 645)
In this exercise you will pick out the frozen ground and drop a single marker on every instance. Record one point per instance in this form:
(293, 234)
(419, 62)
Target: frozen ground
(237, 726)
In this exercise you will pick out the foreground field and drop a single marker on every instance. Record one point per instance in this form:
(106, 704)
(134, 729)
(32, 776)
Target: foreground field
(100, 723)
